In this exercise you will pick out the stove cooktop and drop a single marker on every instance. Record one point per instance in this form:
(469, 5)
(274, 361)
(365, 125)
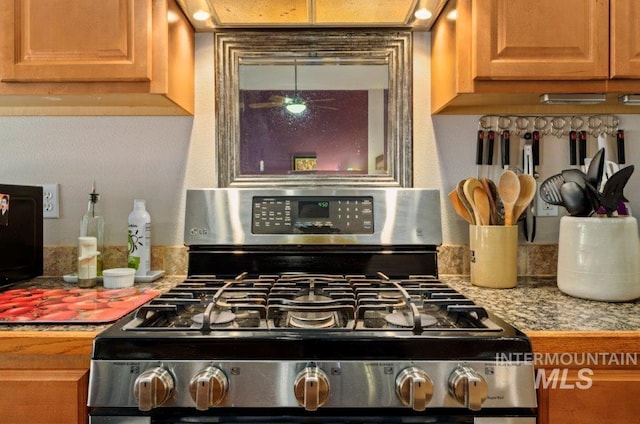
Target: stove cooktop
(308, 314)
(312, 302)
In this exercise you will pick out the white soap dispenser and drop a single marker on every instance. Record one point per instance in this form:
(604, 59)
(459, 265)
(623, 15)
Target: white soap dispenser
(139, 239)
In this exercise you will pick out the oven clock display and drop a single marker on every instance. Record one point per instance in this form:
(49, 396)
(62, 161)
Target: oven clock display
(313, 209)
(312, 215)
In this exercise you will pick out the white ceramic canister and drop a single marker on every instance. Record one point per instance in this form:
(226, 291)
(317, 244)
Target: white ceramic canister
(599, 258)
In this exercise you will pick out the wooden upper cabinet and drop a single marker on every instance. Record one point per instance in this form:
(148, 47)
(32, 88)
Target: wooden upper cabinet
(499, 56)
(81, 40)
(542, 39)
(87, 57)
(625, 39)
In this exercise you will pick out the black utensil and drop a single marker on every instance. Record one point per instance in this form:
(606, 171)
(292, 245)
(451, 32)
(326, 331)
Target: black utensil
(504, 148)
(596, 169)
(479, 151)
(575, 199)
(593, 195)
(575, 175)
(620, 146)
(535, 149)
(550, 190)
(582, 147)
(612, 193)
(573, 140)
(491, 135)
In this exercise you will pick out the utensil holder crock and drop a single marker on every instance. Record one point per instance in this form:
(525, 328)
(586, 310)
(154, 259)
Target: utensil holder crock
(494, 255)
(599, 258)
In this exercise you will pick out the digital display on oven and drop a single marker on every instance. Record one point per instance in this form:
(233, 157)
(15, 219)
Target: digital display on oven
(312, 215)
(313, 209)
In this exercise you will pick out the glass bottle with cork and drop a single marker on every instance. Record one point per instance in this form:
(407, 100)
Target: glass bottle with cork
(92, 225)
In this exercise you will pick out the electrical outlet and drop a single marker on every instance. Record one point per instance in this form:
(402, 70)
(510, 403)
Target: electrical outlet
(543, 208)
(50, 201)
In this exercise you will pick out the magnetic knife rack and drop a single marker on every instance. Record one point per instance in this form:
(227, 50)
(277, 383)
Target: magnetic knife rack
(554, 125)
(532, 128)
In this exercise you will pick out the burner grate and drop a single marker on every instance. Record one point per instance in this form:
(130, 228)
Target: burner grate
(311, 302)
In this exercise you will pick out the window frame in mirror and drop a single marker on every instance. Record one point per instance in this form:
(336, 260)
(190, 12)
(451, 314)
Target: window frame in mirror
(394, 47)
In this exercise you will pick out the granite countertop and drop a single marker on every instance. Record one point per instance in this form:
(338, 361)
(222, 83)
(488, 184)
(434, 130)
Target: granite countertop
(536, 304)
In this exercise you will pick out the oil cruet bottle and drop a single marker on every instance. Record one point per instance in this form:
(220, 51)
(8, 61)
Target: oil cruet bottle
(92, 225)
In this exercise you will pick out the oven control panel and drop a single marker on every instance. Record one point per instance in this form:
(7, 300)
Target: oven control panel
(312, 215)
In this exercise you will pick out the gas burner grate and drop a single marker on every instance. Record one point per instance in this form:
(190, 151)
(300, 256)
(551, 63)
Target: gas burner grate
(311, 302)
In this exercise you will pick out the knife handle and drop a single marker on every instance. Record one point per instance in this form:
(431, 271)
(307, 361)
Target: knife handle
(582, 147)
(504, 148)
(573, 154)
(490, 140)
(479, 147)
(620, 146)
(536, 147)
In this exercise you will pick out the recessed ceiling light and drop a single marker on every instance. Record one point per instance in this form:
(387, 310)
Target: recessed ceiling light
(201, 15)
(423, 14)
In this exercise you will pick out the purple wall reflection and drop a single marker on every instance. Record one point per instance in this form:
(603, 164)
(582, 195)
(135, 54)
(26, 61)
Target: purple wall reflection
(334, 128)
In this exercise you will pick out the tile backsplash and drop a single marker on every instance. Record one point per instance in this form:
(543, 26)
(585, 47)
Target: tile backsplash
(533, 259)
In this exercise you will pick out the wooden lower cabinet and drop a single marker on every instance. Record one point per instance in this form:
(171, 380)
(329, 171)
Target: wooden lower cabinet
(587, 377)
(44, 396)
(44, 376)
(579, 396)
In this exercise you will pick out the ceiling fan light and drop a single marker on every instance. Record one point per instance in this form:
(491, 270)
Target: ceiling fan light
(296, 108)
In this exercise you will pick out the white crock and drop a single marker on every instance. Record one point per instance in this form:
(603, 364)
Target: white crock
(599, 258)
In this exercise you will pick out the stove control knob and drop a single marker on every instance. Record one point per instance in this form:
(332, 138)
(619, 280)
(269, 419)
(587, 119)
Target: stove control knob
(468, 387)
(311, 388)
(152, 388)
(414, 388)
(208, 388)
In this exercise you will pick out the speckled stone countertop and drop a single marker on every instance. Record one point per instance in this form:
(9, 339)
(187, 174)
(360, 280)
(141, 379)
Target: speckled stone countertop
(535, 304)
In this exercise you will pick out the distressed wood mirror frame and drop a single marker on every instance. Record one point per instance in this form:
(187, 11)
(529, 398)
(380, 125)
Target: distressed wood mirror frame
(390, 47)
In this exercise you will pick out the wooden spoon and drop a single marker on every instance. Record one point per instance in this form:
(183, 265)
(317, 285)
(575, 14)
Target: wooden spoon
(465, 201)
(509, 190)
(459, 207)
(491, 195)
(470, 185)
(481, 201)
(527, 191)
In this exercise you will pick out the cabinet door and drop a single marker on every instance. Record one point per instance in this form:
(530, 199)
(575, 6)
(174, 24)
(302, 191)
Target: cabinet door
(43, 396)
(541, 40)
(604, 397)
(75, 40)
(625, 39)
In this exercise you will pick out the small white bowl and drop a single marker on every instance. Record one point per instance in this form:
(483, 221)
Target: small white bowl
(117, 278)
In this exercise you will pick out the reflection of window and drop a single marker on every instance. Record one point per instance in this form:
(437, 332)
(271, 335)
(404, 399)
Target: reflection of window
(305, 163)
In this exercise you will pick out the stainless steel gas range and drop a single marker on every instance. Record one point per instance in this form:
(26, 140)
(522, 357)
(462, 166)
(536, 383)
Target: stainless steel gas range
(312, 306)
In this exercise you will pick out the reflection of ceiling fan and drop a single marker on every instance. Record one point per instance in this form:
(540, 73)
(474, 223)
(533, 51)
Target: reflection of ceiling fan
(295, 104)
